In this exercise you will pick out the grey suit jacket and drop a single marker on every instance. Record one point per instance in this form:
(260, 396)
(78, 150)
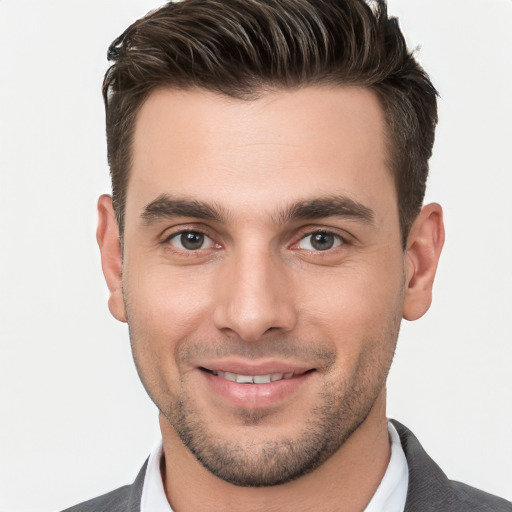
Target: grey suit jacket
(429, 488)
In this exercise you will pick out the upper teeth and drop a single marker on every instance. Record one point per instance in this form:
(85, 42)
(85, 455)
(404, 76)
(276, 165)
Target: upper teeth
(253, 379)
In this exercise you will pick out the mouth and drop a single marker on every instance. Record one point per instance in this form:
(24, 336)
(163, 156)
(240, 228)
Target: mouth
(251, 386)
(255, 379)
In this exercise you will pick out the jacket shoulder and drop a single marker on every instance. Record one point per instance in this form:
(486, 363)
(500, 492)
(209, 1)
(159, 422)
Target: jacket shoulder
(123, 499)
(113, 501)
(475, 500)
(431, 491)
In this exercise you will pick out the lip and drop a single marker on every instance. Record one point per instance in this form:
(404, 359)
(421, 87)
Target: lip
(254, 368)
(255, 395)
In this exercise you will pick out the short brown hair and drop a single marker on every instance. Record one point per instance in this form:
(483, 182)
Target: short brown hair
(243, 48)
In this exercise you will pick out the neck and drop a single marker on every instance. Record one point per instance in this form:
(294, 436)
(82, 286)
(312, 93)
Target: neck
(344, 483)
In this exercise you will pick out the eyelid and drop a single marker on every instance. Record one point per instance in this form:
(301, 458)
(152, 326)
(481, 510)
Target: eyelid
(344, 236)
(337, 243)
(172, 232)
(206, 238)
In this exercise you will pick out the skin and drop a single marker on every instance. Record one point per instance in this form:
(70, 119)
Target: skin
(256, 295)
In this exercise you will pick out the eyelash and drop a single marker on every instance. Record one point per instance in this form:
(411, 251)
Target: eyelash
(339, 241)
(167, 240)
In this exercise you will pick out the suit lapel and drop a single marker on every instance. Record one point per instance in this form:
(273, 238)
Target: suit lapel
(429, 488)
(136, 490)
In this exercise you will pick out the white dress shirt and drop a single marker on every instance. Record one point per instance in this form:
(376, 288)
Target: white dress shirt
(389, 496)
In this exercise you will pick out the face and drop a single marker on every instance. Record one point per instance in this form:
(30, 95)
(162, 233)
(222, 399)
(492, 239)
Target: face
(263, 275)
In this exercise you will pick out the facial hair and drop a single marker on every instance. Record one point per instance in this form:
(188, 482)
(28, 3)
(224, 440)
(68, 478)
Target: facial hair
(342, 405)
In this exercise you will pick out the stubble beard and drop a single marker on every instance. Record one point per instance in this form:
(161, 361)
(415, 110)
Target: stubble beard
(342, 406)
(269, 462)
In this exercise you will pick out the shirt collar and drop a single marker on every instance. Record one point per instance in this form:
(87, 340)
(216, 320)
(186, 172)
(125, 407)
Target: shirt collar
(153, 493)
(392, 491)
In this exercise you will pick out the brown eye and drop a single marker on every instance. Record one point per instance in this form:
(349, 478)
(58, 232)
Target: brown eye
(191, 241)
(320, 241)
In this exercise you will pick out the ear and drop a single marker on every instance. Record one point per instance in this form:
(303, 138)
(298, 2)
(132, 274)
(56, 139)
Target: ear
(424, 244)
(107, 235)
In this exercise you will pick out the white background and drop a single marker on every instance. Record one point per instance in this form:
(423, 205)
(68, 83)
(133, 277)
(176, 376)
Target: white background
(75, 421)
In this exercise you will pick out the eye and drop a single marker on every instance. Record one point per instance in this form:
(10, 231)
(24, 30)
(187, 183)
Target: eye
(191, 241)
(320, 241)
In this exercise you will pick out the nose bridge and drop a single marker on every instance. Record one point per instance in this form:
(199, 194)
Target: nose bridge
(255, 294)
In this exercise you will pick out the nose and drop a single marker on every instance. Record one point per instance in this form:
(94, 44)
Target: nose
(255, 296)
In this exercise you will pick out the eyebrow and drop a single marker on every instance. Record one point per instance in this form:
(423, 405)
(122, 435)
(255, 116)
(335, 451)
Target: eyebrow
(166, 207)
(331, 206)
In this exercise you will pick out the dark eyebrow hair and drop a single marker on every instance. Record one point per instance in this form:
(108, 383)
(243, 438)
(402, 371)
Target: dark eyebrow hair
(165, 206)
(330, 206)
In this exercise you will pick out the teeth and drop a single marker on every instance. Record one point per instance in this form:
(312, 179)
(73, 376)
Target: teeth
(262, 379)
(245, 379)
(253, 379)
(228, 376)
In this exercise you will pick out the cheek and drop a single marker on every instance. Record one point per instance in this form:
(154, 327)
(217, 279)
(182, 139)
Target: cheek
(164, 310)
(162, 297)
(356, 306)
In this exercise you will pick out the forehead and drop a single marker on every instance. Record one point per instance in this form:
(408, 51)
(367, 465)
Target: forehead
(284, 146)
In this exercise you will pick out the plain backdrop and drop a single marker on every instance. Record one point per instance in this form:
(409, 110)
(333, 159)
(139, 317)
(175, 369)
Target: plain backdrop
(75, 421)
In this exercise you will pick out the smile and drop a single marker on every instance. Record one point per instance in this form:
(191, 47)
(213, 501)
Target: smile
(256, 386)
(252, 379)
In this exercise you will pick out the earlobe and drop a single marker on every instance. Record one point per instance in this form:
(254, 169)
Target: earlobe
(424, 245)
(107, 235)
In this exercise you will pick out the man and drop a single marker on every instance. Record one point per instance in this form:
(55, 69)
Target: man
(265, 237)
